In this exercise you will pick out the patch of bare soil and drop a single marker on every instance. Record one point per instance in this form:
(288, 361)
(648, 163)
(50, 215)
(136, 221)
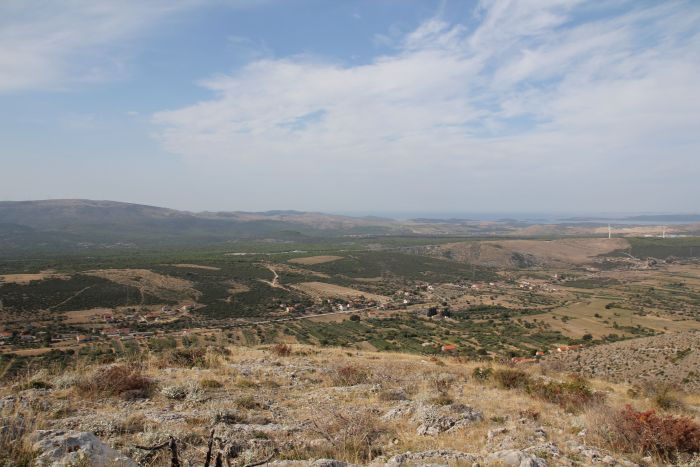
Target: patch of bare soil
(24, 279)
(310, 260)
(165, 287)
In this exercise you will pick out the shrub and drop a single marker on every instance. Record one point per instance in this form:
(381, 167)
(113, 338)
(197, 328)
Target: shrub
(349, 375)
(664, 396)
(247, 402)
(572, 395)
(648, 433)
(117, 380)
(482, 374)
(282, 350)
(188, 357)
(36, 384)
(355, 436)
(511, 379)
(176, 392)
(354, 318)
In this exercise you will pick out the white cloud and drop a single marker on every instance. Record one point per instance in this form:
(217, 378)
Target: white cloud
(52, 45)
(532, 93)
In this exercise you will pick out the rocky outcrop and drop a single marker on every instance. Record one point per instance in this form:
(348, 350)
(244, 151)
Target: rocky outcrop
(57, 448)
(437, 419)
(516, 458)
(439, 456)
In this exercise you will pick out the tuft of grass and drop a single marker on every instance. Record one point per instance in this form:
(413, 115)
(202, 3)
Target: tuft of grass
(356, 436)
(15, 449)
(245, 383)
(207, 383)
(247, 402)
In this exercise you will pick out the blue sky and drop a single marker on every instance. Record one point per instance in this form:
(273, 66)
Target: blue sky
(375, 105)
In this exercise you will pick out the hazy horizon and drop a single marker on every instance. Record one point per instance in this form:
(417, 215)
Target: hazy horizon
(366, 106)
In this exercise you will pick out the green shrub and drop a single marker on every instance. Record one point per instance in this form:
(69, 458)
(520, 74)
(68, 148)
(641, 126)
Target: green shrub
(511, 379)
(482, 374)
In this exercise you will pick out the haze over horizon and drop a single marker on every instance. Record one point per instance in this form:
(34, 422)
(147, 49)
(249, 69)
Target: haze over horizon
(361, 106)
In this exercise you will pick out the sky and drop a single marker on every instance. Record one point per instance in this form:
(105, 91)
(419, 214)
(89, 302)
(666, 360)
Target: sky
(355, 105)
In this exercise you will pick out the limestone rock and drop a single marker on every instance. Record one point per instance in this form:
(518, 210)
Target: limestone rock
(516, 458)
(57, 448)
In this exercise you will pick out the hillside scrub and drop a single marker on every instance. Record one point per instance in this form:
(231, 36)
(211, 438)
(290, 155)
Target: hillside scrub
(647, 433)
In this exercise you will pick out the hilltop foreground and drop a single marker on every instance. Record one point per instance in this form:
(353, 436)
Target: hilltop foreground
(303, 405)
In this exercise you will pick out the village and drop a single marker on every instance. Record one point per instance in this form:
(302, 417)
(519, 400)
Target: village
(73, 330)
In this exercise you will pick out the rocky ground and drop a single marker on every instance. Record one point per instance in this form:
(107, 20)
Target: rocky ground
(305, 406)
(668, 358)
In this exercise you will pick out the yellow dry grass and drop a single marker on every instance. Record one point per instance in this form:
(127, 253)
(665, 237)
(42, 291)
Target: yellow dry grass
(24, 279)
(581, 320)
(150, 282)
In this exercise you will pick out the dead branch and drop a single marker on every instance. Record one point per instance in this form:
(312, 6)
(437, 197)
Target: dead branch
(211, 445)
(265, 461)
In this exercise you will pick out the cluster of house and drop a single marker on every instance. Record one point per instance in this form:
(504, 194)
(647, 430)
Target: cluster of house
(539, 354)
(527, 285)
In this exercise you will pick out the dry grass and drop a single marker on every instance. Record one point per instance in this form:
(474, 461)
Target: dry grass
(117, 380)
(15, 448)
(355, 435)
(282, 350)
(349, 375)
(333, 402)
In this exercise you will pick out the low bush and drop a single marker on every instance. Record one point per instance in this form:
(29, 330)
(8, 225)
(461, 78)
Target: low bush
(511, 379)
(648, 433)
(187, 358)
(117, 380)
(282, 350)
(482, 374)
(247, 402)
(573, 395)
(664, 396)
(349, 375)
